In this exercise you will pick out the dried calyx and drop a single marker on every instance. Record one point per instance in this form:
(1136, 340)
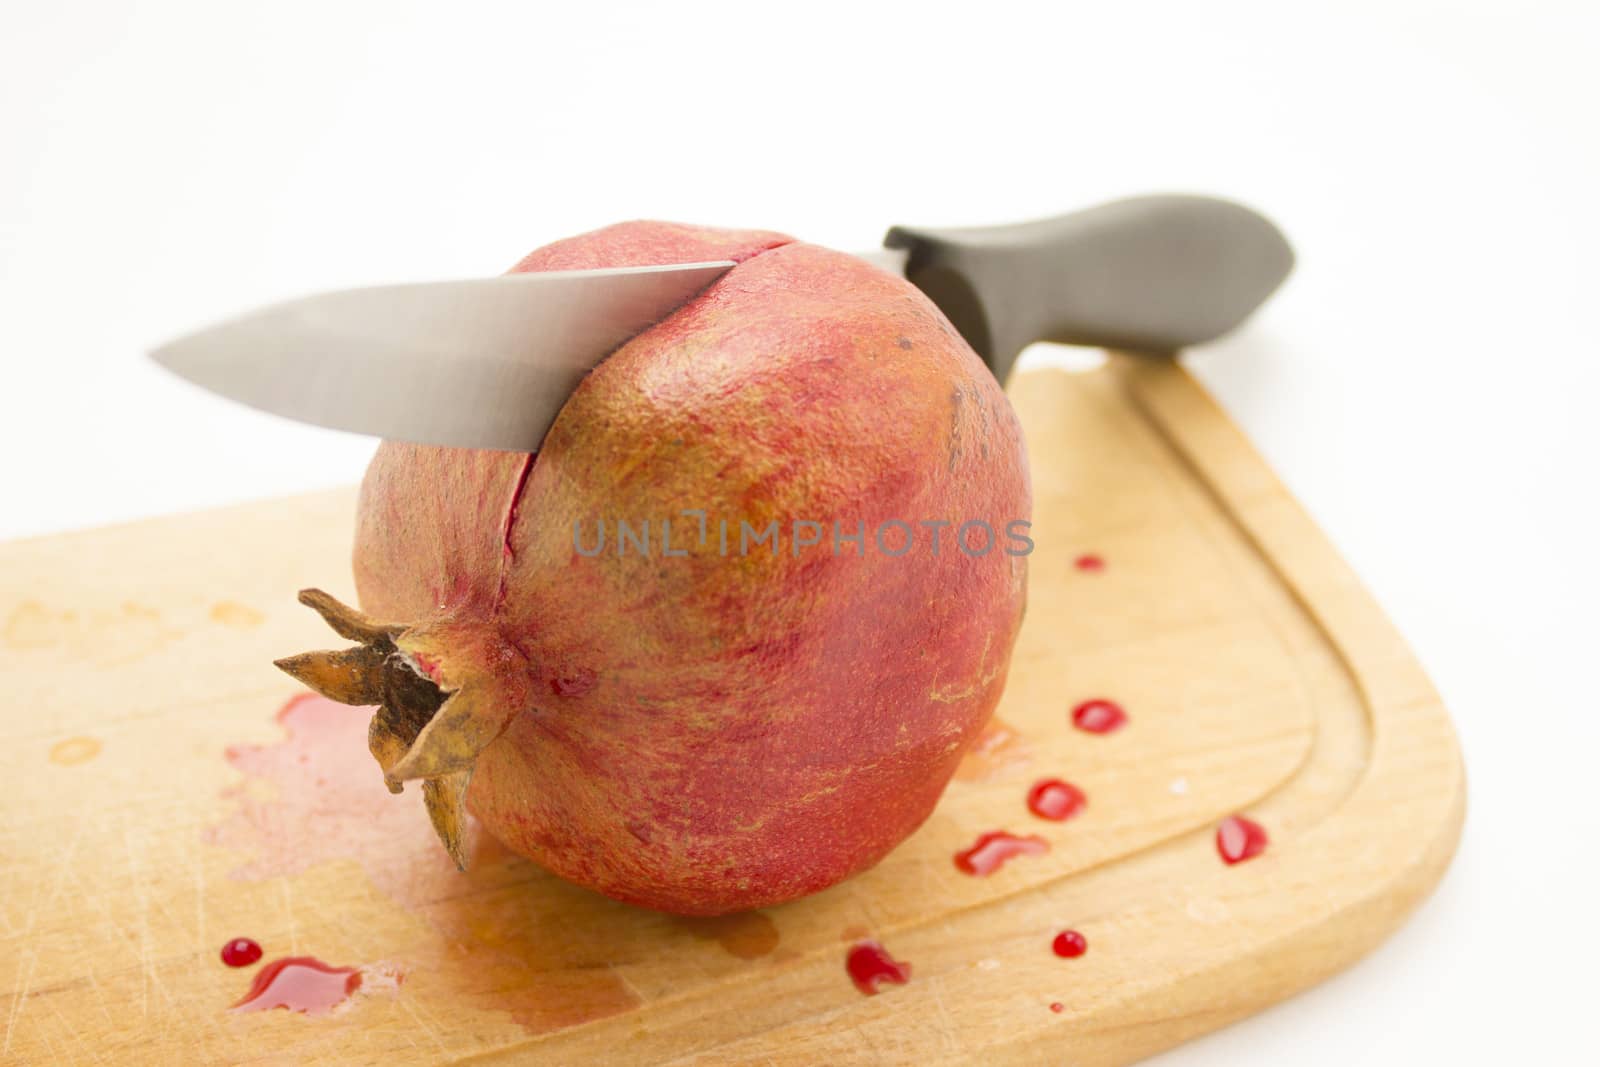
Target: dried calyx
(437, 708)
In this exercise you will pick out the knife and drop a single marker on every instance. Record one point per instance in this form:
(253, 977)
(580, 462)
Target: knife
(489, 362)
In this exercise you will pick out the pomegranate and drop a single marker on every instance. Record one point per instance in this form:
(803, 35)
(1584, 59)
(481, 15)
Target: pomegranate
(705, 718)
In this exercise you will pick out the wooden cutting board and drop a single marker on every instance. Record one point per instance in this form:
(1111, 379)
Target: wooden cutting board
(157, 805)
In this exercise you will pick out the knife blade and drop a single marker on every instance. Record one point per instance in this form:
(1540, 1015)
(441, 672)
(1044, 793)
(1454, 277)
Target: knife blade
(476, 363)
(490, 362)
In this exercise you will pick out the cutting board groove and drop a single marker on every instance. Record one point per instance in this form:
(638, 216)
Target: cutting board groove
(1258, 675)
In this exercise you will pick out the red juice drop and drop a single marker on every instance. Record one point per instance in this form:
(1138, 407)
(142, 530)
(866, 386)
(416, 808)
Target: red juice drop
(240, 952)
(870, 964)
(1099, 716)
(1069, 944)
(1090, 562)
(300, 983)
(991, 851)
(1054, 799)
(1239, 839)
(1058, 1007)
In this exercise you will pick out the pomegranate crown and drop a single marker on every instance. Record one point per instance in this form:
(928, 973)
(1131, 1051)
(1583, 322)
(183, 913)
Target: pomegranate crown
(434, 712)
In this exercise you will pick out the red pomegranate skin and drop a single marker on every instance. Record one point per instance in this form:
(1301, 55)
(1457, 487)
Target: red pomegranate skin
(708, 734)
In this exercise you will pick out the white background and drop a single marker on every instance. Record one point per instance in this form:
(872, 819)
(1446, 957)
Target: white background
(1426, 383)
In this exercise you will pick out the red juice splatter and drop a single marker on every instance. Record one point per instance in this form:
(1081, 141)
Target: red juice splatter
(870, 965)
(1058, 1007)
(1054, 799)
(300, 983)
(1239, 839)
(1069, 944)
(991, 851)
(240, 952)
(326, 801)
(1090, 563)
(1099, 716)
(314, 796)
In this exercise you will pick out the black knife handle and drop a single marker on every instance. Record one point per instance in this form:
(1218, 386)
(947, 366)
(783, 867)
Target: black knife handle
(1152, 273)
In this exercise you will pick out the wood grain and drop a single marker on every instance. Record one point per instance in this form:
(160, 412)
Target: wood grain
(1258, 676)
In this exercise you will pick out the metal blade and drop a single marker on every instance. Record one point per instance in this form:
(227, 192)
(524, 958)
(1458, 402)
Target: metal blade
(482, 363)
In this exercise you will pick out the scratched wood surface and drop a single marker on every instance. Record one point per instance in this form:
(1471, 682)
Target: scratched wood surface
(157, 806)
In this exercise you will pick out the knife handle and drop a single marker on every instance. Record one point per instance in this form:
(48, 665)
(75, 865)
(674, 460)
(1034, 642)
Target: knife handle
(1151, 273)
